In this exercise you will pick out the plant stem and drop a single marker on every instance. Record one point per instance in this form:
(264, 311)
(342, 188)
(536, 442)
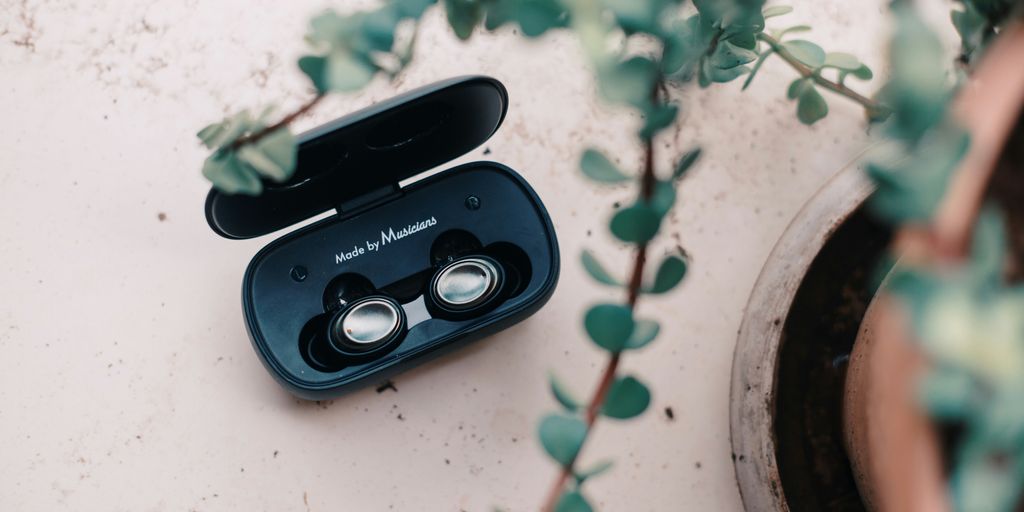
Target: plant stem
(873, 108)
(285, 121)
(647, 181)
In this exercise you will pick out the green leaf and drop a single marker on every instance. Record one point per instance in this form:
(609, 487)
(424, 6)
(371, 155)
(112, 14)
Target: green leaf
(636, 15)
(626, 399)
(562, 436)
(669, 274)
(596, 270)
(663, 198)
(219, 135)
(463, 16)
(609, 326)
(596, 469)
(598, 168)
(988, 249)
(346, 72)
(656, 119)
(728, 56)
(797, 87)
(777, 10)
(538, 16)
(572, 501)
(806, 52)
(644, 332)
(718, 75)
(842, 60)
(792, 30)
(913, 189)
(413, 8)
(230, 175)
(562, 394)
(757, 66)
(314, 67)
(636, 224)
(630, 82)
(689, 158)
(811, 107)
(863, 72)
(272, 156)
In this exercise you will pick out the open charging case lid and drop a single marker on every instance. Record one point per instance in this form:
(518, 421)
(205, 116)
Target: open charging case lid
(363, 156)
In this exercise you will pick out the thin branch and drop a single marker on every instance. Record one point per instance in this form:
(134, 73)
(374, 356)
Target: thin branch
(874, 108)
(285, 121)
(647, 182)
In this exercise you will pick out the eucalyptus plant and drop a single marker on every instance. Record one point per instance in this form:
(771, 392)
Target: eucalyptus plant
(638, 49)
(968, 321)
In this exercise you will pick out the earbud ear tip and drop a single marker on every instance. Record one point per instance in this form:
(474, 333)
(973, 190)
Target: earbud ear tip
(346, 288)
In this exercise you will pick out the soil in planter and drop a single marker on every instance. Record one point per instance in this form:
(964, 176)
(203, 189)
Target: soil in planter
(816, 342)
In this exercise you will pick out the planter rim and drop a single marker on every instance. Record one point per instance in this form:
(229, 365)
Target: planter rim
(755, 359)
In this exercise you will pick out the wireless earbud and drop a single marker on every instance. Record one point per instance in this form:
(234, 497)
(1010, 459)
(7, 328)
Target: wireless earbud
(466, 287)
(364, 323)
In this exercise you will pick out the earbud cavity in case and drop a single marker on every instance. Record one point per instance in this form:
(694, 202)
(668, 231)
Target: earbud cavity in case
(399, 274)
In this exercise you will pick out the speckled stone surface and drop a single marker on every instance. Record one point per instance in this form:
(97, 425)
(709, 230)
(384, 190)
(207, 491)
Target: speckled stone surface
(127, 381)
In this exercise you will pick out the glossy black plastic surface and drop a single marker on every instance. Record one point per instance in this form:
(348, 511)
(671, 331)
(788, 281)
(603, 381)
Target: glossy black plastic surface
(368, 153)
(396, 238)
(278, 308)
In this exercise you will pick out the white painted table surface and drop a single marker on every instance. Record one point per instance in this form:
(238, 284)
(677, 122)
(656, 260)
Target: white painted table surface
(127, 381)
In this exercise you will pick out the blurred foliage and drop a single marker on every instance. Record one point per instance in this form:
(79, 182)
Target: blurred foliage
(968, 320)
(638, 50)
(710, 41)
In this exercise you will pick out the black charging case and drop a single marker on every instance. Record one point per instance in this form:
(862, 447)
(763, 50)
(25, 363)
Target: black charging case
(397, 237)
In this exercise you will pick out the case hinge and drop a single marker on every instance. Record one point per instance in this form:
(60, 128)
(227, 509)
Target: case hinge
(368, 200)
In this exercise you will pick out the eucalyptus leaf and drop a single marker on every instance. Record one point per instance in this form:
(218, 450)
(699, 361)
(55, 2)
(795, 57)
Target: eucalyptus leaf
(463, 16)
(609, 326)
(657, 118)
(627, 398)
(644, 332)
(842, 60)
(596, 469)
(277, 154)
(688, 159)
(806, 52)
(562, 394)
(536, 17)
(596, 270)
(572, 501)
(797, 87)
(230, 175)
(811, 106)
(346, 72)
(728, 55)
(777, 10)
(757, 66)
(663, 198)
(314, 67)
(863, 72)
(635, 224)
(598, 168)
(718, 75)
(562, 436)
(224, 133)
(989, 249)
(636, 15)
(670, 272)
(413, 8)
(792, 30)
(630, 82)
